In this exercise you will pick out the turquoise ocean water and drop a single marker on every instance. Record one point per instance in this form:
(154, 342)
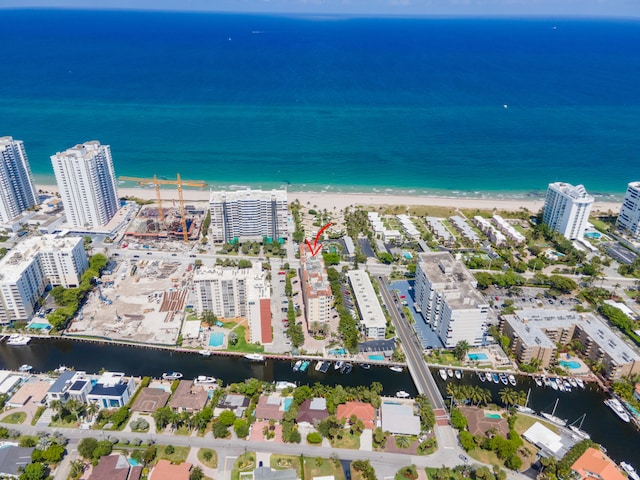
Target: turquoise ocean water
(371, 104)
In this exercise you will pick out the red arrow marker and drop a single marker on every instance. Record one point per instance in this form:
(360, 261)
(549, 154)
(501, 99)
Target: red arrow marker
(316, 248)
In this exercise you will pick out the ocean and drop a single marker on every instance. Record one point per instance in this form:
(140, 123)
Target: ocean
(477, 107)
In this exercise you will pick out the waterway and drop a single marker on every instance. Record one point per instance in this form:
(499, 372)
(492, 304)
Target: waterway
(621, 440)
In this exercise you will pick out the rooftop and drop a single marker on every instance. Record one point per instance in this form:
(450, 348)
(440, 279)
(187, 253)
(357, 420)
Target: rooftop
(577, 192)
(189, 397)
(115, 467)
(314, 274)
(12, 458)
(530, 324)
(371, 312)
(165, 470)
(150, 399)
(399, 418)
(247, 195)
(595, 464)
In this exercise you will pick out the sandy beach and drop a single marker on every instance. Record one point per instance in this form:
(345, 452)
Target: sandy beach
(339, 201)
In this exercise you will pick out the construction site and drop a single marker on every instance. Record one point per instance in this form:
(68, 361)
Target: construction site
(162, 221)
(141, 301)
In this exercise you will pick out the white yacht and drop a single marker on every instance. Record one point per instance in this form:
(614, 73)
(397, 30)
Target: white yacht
(254, 357)
(552, 417)
(171, 376)
(205, 353)
(627, 467)
(18, 340)
(615, 405)
(402, 394)
(25, 368)
(202, 380)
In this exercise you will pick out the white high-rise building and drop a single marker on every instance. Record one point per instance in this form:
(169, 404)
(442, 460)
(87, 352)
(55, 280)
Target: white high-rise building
(87, 184)
(629, 218)
(17, 192)
(33, 264)
(315, 287)
(232, 292)
(567, 209)
(248, 214)
(445, 292)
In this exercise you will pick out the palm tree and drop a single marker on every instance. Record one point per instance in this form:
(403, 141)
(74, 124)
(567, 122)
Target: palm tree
(403, 441)
(508, 396)
(485, 395)
(92, 409)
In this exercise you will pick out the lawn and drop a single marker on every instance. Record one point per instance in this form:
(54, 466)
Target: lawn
(179, 454)
(321, 467)
(485, 456)
(242, 345)
(63, 424)
(284, 462)
(245, 463)
(183, 431)
(347, 441)
(213, 463)
(15, 418)
(523, 422)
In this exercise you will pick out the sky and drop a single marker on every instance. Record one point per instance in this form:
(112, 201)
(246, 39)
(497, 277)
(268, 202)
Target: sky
(591, 8)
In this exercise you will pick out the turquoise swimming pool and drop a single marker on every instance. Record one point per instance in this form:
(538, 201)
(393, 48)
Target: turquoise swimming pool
(477, 356)
(286, 403)
(338, 351)
(133, 462)
(594, 235)
(492, 415)
(376, 357)
(39, 326)
(571, 365)
(216, 339)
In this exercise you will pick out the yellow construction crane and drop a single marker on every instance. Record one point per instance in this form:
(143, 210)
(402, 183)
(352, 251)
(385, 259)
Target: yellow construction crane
(180, 183)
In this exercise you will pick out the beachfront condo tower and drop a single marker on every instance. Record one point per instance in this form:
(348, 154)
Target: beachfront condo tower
(629, 218)
(17, 192)
(248, 215)
(447, 298)
(567, 209)
(87, 184)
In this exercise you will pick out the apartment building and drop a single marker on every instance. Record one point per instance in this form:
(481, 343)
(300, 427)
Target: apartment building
(372, 319)
(629, 217)
(567, 209)
(17, 190)
(315, 287)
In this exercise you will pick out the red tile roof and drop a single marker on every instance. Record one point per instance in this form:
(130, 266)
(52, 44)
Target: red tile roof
(593, 464)
(363, 411)
(164, 470)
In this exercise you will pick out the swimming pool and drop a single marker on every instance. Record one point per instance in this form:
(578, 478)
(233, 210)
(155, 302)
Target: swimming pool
(477, 356)
(39, 326)
(571, 365)
(133, 462)
(594, 235)
(492, 415)
(216, 339)
(337, 351)
(286, 403)
(407, 255)
(376, 357)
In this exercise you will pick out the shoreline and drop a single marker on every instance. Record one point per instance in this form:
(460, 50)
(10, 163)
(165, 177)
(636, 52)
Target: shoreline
(339, 201)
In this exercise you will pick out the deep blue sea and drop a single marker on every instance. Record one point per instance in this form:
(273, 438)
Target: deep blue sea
(342, 104)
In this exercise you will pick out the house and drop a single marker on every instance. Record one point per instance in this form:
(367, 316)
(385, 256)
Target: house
(270, 407)
(188, 397)
(399, 419)
(549, 443)
(112, 390)
(59, 391)
(595, 465)
(479, 424)
(165, 470)
(12, 459)
(115, 467)
(363, 411)
(150, 399)
(312, 410)
(32, 392)
(236, 403)
(267, 473)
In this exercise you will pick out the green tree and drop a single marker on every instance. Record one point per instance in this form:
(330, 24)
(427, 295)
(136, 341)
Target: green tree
(241, 427)
(466, 440)
(196, 473)
(219, 429)
(103, 448)
(508, 396)
(87, 446)
(244, 264)
(34, 471)
(209, 317)
(314, 438)
(461, 349)
(458, 420)
(227, 418)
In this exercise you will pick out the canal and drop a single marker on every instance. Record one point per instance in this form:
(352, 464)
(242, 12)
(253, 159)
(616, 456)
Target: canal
(620, 439)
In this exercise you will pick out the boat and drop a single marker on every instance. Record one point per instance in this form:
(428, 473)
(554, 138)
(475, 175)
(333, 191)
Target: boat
(525, 408)
(482, 376)
(495, 378)
(578, 430)
(512, 380)
(567, 385)
(281, 385)
(61, 368)
(402, 394)
(254, 357)
(552, 382)
(365, 366)
(305, 365)
(458, 374)
(346, 368)
(627, 467)
(547, 381)
(580, 383)
(325, 366)
(205, 353)
(560, 385)
(552, 417)
(18, 340)
(615, 405)
(297, 365)
(538, 381)
(202, 380)
(443, 373)
(449, 373)
(171, 376)
(573, 383)
(396, 369)
(338, 365)
(25, 368)
(504, 379)
(319, 365)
